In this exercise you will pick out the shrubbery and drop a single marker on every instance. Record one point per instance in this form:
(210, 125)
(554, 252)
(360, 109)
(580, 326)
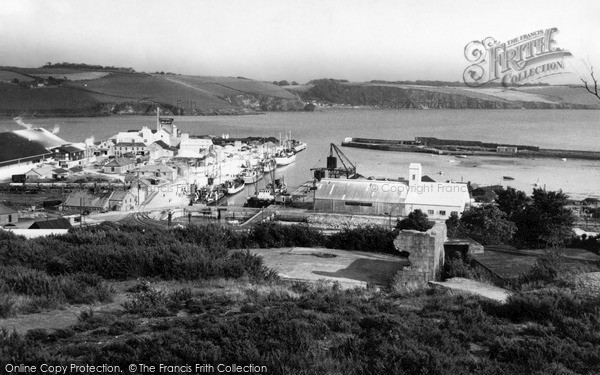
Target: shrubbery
(368, 238)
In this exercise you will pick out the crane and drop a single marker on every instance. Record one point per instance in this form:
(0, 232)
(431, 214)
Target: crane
(347, 170)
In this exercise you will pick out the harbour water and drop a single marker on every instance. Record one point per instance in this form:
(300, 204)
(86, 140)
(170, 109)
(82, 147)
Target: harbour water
(566, 129)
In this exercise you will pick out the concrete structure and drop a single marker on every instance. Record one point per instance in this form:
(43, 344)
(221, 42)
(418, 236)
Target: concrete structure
(119, 165)
(392, 198)
(426, 257)
(8, 215)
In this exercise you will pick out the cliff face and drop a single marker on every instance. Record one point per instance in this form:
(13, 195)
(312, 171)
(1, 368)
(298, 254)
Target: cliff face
(264, 103)
(414, 97)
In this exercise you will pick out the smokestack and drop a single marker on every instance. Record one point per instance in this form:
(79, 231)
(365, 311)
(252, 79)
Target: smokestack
(157, 118)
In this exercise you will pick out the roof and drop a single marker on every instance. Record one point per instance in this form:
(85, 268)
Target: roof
(156, 168)
(120, 195)
(13, 147)
(162, 144)
(60, 223)
(438, 194)
(85, 199)
(61, 170)
(69, 149)
(119, 162)
(42, 136)
(361, 190)
(130, 144)
(44, 170)
(4, 210)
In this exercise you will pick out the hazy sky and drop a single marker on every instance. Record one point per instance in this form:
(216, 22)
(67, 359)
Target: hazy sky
(294, 40)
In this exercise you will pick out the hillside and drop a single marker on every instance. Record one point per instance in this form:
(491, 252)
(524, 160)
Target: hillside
(89, 90)
(73, 92)
(391, 95)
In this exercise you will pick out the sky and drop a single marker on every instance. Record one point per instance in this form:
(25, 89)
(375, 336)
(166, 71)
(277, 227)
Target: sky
(269, 40)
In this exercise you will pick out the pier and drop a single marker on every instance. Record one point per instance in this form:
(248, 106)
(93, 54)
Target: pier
(438, 146)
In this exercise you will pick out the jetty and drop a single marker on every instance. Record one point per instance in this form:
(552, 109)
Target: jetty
(431, 145)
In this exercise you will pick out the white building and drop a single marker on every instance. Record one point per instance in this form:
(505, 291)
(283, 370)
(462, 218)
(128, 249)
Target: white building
(392, 198)
(194, 146)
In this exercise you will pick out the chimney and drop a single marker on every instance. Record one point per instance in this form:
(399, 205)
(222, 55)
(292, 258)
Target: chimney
(157, 118)
(414, 174)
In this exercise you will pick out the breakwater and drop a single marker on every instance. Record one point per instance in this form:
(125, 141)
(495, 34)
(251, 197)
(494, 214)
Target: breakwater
(438, 146)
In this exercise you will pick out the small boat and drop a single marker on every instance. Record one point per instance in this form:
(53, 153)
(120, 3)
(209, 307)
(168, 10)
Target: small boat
(269, 165)
(285, 157)
(507, 178)
(235, 186)
(251, 176)
(461, 156)
(564, 159)
(297, 146)
(440, 172)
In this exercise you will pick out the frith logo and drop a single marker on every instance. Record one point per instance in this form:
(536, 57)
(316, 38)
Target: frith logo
(524, 59)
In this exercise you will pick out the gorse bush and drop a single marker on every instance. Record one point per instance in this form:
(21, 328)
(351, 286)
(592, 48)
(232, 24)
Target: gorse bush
(46, 291)
(368, 238)
(321, 329)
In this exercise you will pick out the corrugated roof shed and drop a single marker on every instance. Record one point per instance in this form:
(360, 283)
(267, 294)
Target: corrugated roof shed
(60, 223)
(119, 162)
(85, 199)
(362, 190)
(13, 147)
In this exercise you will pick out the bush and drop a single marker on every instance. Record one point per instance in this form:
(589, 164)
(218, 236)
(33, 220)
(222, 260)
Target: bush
(368, 238)
(416, 220)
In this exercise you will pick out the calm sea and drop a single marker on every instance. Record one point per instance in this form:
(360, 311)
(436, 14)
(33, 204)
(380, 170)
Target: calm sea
(568, 129)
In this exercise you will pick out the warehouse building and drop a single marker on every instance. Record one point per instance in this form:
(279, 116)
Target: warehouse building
(392, 198)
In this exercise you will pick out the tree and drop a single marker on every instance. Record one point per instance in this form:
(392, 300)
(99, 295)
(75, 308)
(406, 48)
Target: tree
(546, 222)
(594, 90)
(487, 225)
(416, 220)
(511, 201)
(454, 226)
(283, 83)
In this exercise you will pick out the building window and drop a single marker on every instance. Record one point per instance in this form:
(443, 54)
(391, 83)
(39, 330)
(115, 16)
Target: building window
(429, 212)
(364, 204)
(112, 169)
(454, 213)
(443, 213)
(10, 218)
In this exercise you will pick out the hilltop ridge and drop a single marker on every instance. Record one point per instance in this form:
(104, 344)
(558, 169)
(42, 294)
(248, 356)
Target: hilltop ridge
(83, 90)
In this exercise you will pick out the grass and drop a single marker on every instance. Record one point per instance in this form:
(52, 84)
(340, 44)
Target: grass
(299, 328)
(195, 301)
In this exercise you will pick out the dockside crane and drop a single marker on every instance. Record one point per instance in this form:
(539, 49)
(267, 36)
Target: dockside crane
(347, 170)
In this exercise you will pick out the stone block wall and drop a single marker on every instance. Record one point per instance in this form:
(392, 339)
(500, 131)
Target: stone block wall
(426, 251)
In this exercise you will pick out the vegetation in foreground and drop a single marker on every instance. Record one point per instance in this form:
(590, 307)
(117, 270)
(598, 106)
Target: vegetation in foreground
(228, 308)
(321, 329)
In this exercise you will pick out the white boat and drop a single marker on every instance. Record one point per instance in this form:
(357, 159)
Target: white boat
(461, 156)
(285, 157)
(235, 186)
(251, 176)
(564, 159)
(269, 165)
(297, 146)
